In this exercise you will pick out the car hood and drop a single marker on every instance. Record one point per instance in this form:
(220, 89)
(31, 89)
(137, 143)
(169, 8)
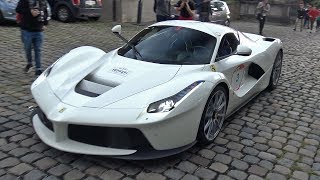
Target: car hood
(111, 79)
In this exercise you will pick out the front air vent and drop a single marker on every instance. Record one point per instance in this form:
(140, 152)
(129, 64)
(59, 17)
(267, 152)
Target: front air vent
(91, 89)
(269, 39)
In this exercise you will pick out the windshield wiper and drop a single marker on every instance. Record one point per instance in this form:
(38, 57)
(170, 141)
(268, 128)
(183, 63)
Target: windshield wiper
(134, 49)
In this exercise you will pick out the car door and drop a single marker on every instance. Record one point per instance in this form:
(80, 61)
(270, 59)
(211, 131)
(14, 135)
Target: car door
(234, 67)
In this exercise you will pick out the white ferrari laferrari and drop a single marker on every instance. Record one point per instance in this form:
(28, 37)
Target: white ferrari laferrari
(170, 86)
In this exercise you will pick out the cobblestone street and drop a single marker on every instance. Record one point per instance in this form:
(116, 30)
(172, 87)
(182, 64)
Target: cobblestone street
(276, 136)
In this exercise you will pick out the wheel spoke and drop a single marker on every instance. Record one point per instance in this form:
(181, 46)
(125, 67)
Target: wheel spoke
(208, 124)
(216, 99)
(221, 106)
(220, 114)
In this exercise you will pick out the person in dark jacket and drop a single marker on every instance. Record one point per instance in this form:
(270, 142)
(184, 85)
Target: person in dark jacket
(306, 17)
(34, 17)
(301, 12)
(205, 11)
(161, 8)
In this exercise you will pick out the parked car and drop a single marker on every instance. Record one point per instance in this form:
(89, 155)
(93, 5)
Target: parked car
(140, 101)
(8, 10)
(69, 10)
(220, 12)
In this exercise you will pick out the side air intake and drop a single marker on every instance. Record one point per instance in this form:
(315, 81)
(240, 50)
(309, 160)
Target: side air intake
(255, 71)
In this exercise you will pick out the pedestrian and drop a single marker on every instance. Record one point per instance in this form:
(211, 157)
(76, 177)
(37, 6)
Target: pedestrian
(205, 11)
(318, 23)
(262, 9)
(306, 17)
(186, 9)
(313, 14)
(161, 8)
(300, 16)
(34, 18)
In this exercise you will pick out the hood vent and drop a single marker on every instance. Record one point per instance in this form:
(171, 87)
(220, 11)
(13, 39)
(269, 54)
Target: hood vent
(88, 87)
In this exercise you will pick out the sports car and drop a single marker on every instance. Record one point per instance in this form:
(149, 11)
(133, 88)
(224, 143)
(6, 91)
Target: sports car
(170, 86)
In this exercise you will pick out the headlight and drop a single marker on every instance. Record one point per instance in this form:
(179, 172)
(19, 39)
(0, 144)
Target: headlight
(167, 104)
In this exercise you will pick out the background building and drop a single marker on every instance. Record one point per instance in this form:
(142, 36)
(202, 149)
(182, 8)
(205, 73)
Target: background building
(282, 11)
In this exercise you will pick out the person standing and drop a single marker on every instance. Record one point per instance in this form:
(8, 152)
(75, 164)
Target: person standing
(161, 8)
(186, 9)
(313, 14)
(205, 11)
(34, 18)
(263, 8)
(306, 17)
(318, 22)
(300, 16)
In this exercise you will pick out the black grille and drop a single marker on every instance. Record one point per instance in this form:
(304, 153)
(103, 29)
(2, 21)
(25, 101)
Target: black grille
(44, 119)
(112, 137)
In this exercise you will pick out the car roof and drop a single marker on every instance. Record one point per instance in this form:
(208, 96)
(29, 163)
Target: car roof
(215, 30)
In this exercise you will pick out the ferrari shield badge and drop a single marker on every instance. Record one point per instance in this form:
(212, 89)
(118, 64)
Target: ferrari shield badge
(213, 68)
(62, 110)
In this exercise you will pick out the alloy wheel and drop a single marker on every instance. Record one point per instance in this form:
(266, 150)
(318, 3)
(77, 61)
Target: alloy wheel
(277, 70)
(215, 115)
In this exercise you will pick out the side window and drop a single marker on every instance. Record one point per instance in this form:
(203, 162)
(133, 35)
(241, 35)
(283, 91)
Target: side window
(228, 45)
(221, 6)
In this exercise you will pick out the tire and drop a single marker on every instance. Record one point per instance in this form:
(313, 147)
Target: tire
(93, 18)
(204, 136)
(64, 14)
(276, 71)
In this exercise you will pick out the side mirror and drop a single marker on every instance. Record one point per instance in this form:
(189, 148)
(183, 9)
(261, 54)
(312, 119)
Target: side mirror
(116, 29)
(243, 50)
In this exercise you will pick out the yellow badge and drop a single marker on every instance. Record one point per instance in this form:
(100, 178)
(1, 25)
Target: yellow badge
(62, 109)
(213, 68)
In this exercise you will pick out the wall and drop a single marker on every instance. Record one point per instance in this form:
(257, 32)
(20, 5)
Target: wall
(281, 11)
(106, 10)
(130, 11)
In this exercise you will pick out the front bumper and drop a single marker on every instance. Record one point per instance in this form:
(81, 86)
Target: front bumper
(95, 142)
(65, 144)
(165, 132)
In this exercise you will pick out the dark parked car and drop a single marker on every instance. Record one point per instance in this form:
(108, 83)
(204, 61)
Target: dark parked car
(69, 10)
(8, 10)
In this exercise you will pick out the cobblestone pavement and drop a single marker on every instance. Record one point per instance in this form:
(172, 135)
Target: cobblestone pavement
(276, 136)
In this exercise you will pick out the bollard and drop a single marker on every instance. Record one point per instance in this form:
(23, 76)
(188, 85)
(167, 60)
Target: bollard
(139, 12)
(114, 9)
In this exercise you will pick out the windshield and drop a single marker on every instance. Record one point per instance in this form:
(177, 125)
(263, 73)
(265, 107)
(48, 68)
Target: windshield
(171, 45)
